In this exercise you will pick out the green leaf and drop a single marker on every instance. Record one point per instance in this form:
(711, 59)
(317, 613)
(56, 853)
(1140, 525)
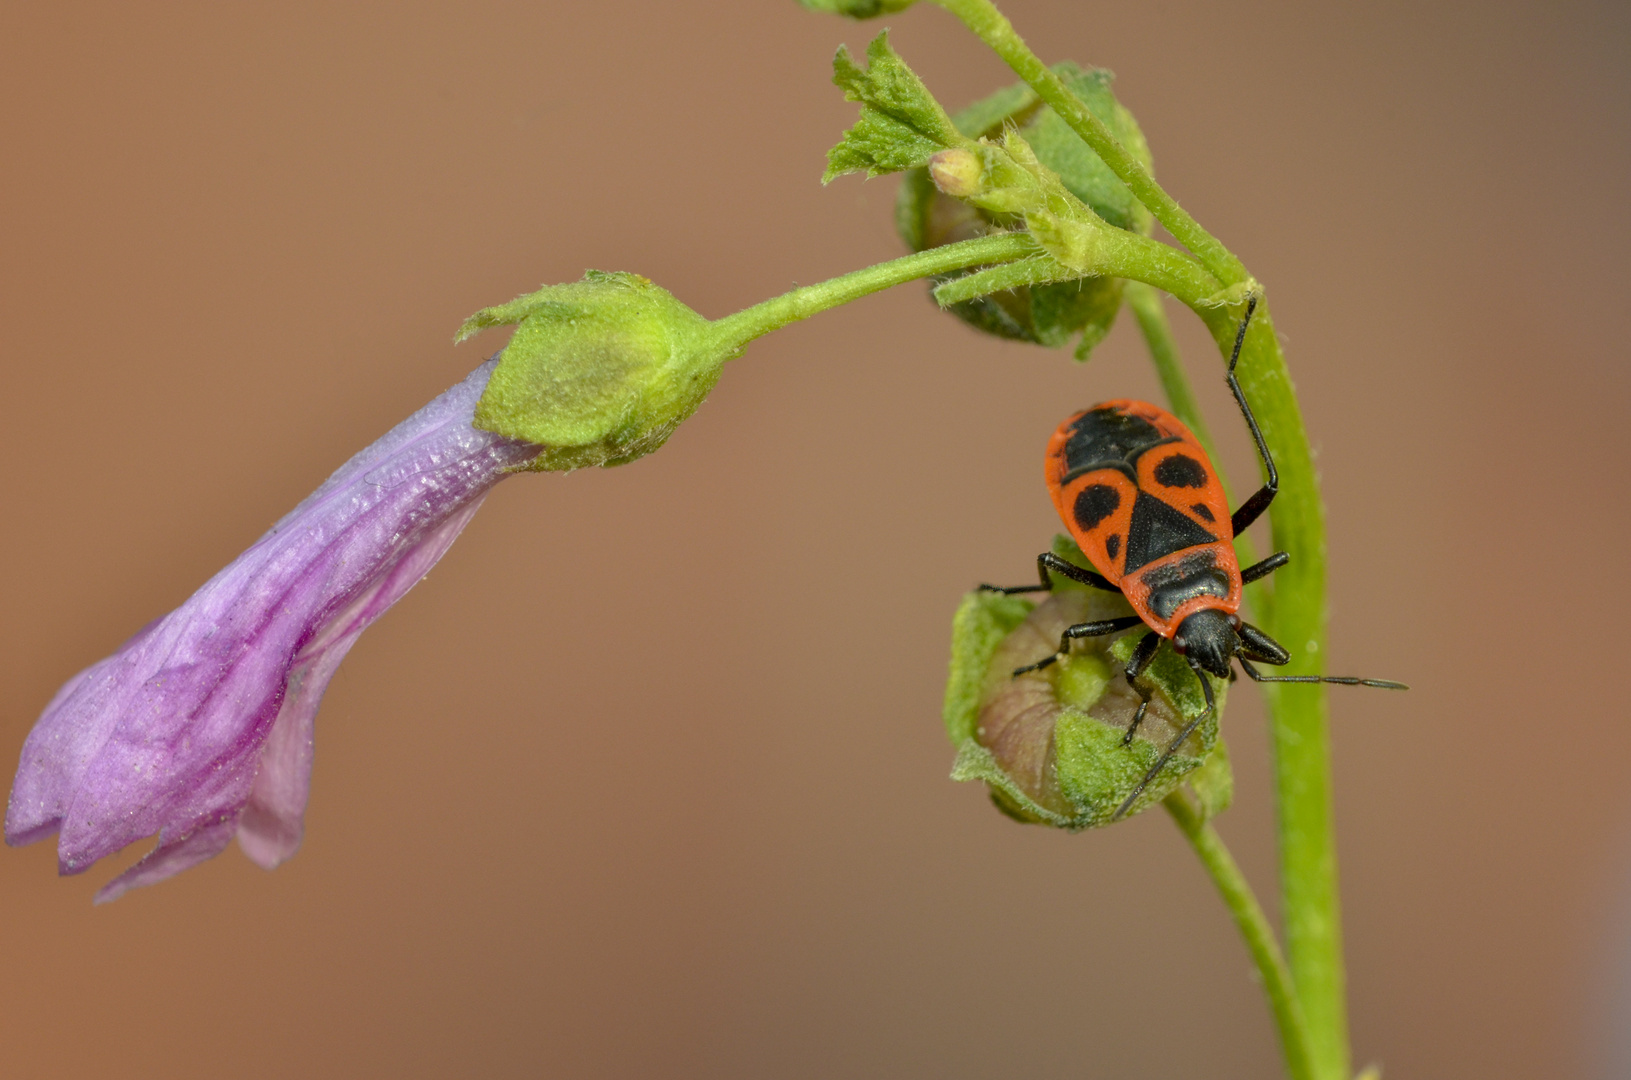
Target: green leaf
(1012, 105)
(982, 620)
(901, 123)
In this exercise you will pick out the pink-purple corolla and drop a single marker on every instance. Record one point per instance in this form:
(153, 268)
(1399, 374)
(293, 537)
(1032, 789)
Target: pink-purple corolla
(199, 728)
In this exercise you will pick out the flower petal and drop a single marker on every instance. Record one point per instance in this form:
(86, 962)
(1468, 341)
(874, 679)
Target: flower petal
(171, 734)
(272, 823)
(170, 858)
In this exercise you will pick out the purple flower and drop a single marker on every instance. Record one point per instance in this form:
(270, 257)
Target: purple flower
(199, 728)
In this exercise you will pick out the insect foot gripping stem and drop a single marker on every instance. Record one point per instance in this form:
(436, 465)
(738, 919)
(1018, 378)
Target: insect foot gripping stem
(1051, 744)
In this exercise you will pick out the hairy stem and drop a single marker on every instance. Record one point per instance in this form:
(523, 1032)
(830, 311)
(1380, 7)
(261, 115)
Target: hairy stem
(1301, 742)
(1254, 928)
(1295, 614)
(1152, 323)
(735, 331)
(993, 28)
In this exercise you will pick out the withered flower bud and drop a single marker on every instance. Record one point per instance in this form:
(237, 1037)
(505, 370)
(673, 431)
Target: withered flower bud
(1049, 743)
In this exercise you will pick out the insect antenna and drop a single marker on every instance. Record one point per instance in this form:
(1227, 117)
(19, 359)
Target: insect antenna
(1172, 747)
(1344, 680)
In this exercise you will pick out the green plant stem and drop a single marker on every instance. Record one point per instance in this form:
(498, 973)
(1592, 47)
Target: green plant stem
(1115, 253)
(1254, 928)
(1295, 614)
(1301, 747)
(993, 28)
(1301, 742)
(735, 331)
(1152, 323)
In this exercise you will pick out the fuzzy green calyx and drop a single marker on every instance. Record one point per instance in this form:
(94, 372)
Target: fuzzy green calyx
(1048, 744)
(599, 371)
(1014, 123)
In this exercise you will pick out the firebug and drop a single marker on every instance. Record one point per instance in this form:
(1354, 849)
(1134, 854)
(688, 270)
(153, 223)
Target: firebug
(1143, 502)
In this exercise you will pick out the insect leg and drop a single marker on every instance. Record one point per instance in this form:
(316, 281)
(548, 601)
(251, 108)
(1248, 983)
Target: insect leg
(1265, 568)
(1252, 508)
(1344, 680)
(1143, 653)
(1172, 747)
(1081, 630)
(1256, 645)
(1049, 561)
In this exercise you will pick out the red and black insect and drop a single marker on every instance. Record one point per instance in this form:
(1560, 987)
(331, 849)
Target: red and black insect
(1143, 502)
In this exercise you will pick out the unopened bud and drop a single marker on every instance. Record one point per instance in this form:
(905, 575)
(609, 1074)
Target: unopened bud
(957, 172)
(927, 213)
(1049, 743)
(599, 371)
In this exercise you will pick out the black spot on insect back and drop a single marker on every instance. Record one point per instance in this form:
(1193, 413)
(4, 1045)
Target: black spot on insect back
(1179, 471)
(1108, 438)
(1159, 530)
(1112, 545)
(1095, 503)
(1203, 511)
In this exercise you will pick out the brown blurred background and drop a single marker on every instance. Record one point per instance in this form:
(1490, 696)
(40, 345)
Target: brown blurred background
(648, 778)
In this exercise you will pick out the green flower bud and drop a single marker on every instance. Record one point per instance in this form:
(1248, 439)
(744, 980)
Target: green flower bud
(957, 172)
(858, 9)
(599, 372)
(928, 213)
(1048, 744)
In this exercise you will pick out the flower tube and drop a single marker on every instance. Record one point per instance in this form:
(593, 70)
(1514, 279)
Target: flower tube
(199, 728)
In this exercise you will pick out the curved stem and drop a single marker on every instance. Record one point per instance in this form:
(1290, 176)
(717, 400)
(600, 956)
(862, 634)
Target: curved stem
(1300, 739)
(1295, 614)
(1152, 322)
(993, 28)
(735, 331)
(1254, 928)
(1302, 774)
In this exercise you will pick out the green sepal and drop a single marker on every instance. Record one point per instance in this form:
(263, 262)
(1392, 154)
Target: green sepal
(858, 9)
(983, 619)
(1076, 772)
(1083, 171)
(1053, 313)
(901, 124)
(598, 372)
(1213, 783)
(1073, 242)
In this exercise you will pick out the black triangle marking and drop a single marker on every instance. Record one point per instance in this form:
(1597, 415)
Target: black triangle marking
(1159, 530)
